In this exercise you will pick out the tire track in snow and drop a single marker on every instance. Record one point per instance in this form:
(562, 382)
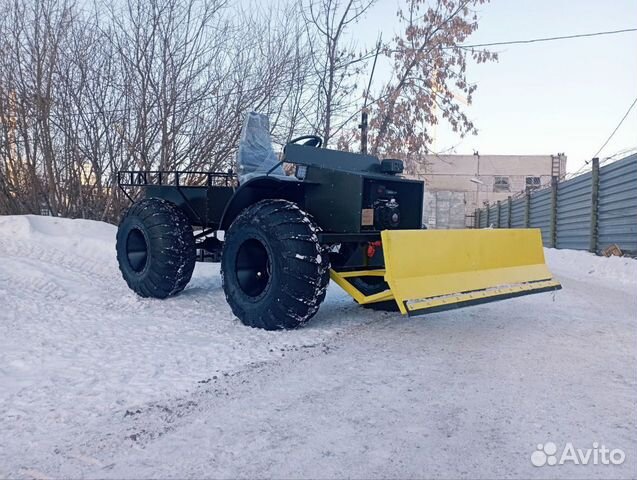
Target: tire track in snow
(78, 349)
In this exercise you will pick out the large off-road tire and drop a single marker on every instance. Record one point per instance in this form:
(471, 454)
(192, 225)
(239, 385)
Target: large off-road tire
(274, 271)
(155, 248)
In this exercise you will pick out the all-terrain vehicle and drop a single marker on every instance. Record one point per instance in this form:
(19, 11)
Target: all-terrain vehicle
(280, 238)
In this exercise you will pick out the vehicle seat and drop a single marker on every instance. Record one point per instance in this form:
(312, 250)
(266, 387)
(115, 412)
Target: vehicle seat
(256, 156)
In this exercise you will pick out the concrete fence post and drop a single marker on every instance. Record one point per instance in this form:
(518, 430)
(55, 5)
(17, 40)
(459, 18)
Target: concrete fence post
(509, 212)
(594, 205)
(527, 209)
(553, 227)
(476, 218)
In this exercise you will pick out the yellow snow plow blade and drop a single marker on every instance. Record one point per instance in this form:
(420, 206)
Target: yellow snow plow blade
(432, 270)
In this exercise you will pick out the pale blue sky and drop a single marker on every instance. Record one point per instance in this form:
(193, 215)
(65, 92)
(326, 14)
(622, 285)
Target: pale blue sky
(564, 96)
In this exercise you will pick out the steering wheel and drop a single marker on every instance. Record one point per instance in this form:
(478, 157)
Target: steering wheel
(310, 140)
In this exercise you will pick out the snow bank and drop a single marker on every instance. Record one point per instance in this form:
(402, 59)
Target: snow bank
(617, 272)
(62, 231)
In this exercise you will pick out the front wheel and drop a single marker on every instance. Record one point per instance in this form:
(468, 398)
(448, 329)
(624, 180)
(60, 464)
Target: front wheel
(274, 271)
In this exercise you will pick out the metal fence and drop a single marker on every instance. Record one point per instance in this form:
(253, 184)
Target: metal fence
(589, 212)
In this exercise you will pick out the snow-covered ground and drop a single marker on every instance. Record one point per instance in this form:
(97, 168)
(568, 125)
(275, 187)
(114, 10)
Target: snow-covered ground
(96, 382)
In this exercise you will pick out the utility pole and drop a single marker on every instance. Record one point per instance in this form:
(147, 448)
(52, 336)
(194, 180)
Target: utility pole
(364, 114)
(363, 126)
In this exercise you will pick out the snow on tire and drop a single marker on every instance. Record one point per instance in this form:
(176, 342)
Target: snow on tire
(155, 248)
(274, 271)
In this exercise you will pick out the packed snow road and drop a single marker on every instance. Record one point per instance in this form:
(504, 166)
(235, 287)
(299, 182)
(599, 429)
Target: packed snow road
(96, 382)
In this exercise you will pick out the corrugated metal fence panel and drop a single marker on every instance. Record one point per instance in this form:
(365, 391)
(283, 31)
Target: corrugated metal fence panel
(517, 212)
(493, 216)
(483, 218)
(541, 213)
(617, 212)
(574, 213)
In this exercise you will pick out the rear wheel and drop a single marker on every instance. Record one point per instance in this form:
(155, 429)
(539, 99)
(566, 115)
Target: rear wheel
(274, 271)
(155, 248)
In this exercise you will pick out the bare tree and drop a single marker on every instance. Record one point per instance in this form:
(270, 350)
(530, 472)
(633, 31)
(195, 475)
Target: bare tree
(86, 91)
(337, 65)
(158, 84)
(34, 36)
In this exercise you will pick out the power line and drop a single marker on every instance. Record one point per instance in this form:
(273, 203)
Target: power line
(586, 166)
(616, 128)
(623, 154)
(550, 39)
(587, 162)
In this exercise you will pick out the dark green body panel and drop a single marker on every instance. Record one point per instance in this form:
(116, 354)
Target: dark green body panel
(335, 189)
(334, 200)
(204, 205)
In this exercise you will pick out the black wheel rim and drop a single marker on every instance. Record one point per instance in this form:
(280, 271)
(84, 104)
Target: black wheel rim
(136, 250)
(253, 267)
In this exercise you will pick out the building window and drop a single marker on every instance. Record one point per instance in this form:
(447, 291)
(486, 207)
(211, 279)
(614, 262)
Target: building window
(501, 184)
(532, 183)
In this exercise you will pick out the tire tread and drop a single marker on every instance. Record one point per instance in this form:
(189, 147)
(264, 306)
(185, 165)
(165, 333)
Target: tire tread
(303, 280)
(172, 248)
